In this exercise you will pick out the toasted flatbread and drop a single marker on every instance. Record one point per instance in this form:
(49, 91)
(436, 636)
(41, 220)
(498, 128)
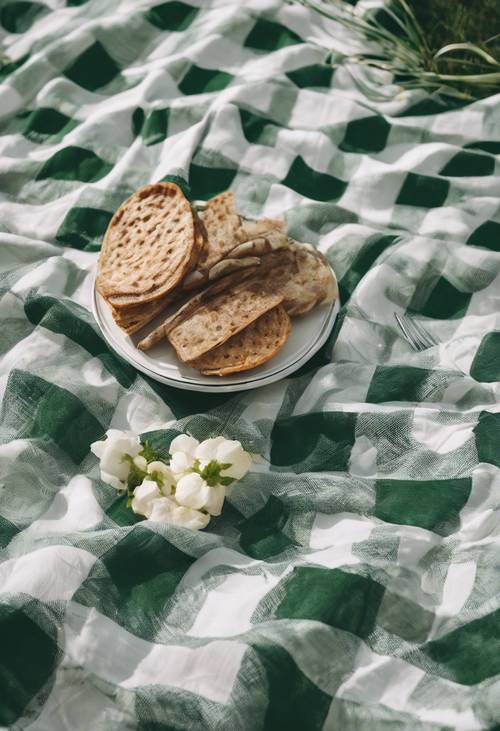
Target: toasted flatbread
(302, 275)
(256, 344)
(221, 222)
(148, 246)
(195, 301)
(220, 318)
(133, 318)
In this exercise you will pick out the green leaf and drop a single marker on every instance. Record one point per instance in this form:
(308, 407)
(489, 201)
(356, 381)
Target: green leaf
(136, 475)
(130, 496)
(149, 453)
(211, 473)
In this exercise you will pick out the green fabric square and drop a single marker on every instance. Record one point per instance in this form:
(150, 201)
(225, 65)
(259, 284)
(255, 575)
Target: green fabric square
(294, 703)
(486, 235)
(155, 127)
(74, 163)
(121, 514)
(266, 35)
(471, 653)
(487, 436)
(312, 184)
(309, 77)
(206, 182)
(445, 302)
(342, 600)
(17, 17)
(423, 191)
(396, 383)
(486, 364)
(465, 164)
(172, 15)
(431, 504)
(33, 408)
(70, 319)
(261, 534)
(83, 228)
(200, 81)
(7, 531)
(491, 146)
(28, 659)
(137, 120)
(45, 123)
(255, 127)
(315, 441)
(404, 618)
(93, 68)
(366, 135)
(373, 247)
(134, 580)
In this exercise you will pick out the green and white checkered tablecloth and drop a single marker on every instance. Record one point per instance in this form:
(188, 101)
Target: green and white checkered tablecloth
(353, 579)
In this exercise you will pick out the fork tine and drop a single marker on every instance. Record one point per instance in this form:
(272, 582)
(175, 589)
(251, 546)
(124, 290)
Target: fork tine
(410, 325)
(425, 336)
(407, 331)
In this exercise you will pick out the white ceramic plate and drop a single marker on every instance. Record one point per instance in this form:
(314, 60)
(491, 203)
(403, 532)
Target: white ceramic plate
(309, 333)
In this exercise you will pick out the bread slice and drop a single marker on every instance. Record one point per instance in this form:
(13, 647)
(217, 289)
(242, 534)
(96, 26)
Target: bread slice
(220, 318)
(188, 307)
(148, 246)
(302, 275)
(134, 317)
(256, 344)
(221, 222)
(232, 243)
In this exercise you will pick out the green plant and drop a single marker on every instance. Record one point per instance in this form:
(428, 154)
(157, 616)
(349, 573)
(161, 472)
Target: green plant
(429, 44)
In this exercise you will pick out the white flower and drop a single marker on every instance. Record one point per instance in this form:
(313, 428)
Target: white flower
(163, 471)
(183, 443)
(193, 492)
(166, 510)
(181, 462)
(145, 496)
(161, 509)
(225, 451)
(111, 451)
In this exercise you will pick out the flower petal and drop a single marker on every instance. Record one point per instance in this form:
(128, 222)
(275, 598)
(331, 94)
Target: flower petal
(161, 510)
(183, 443)
(192, 491)
(207, 450)
(113, 481)
(188, 518)
(231, 452)
(141, 462)
(144, 497)
(215, 500)
(181, 462)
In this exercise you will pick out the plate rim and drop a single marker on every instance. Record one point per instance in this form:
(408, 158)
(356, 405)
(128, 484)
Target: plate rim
(189, 385)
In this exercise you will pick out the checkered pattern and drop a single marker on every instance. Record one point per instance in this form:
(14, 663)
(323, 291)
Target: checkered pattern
(352, 581)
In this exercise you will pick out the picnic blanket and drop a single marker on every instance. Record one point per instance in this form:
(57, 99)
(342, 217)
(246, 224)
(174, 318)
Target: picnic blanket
(352, 581)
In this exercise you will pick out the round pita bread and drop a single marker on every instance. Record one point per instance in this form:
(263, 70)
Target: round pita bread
(148, 246)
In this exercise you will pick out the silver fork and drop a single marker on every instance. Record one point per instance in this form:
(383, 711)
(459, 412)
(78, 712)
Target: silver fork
(414, 332)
